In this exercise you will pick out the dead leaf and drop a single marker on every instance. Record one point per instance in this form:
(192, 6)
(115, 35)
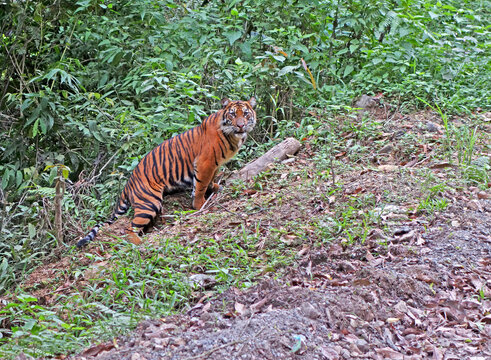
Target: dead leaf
(239, 308)
(483, 195)
(338, 283)
(308, 269)
(392, 320)
(362, 282)
(388, 168)
(437, 355)
(257, 306)
(95, 350)
(388, 353)
(476, 282)
(304, 249)
(409, 163)
(441, 165)
(304, 64)
(406, 237)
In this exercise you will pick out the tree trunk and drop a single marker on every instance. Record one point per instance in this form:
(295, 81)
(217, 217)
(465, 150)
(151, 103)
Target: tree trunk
(59, 192)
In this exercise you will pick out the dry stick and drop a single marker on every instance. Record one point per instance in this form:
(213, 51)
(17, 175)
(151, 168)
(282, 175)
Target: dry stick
(208, 201)
(209, 352)
(60, 190)
(253, 337)
(105, 165)
(17, 68)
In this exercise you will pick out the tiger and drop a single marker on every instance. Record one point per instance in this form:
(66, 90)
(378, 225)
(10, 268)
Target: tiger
(190, 159)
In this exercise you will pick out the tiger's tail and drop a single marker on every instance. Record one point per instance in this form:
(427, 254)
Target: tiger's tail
(120, 209)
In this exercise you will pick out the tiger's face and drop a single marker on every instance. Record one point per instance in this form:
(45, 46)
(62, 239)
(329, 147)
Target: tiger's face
(239, 117)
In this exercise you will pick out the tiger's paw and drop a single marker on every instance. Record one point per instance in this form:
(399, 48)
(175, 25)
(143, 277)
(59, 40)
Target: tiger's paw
(216, 187)
(133, 237)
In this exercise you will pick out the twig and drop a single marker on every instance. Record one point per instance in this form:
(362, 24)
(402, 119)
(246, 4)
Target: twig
(208, 201)
(227, 210)
(105, 165)
(253, 337)
(422, 161)
(209, 352)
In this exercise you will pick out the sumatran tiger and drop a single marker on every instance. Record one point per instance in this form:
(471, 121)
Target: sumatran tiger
(190, 159)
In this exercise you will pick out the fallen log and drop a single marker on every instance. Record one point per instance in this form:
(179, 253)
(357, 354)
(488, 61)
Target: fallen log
(287, 147)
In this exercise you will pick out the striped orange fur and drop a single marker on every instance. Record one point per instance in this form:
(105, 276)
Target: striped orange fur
(190, 159)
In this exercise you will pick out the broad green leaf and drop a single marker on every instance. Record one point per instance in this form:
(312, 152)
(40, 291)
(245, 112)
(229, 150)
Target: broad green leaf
(35, 128)
(94, 131)
(26, 298)
(433, 15)
(232, 36)
(52, 174)
(25, 104)
(44, 125)
(32, 230)
(6, 178)
(286, 70)
(348, 70)
(18, 177)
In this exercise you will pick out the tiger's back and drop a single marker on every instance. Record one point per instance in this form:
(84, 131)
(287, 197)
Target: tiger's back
(190, 159)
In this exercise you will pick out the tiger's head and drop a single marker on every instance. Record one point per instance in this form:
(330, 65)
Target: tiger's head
(239, 117)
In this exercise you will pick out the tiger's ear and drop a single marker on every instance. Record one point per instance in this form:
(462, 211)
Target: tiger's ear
(225, 102)
(252, 102)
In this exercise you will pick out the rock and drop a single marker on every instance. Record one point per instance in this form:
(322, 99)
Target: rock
(137, 356)
(483, 195)
(432, 127)
(402, 230)
(475, 205)
(366, 102)
(362, 345)
(386, 149)
(308, 310)
(201, 280)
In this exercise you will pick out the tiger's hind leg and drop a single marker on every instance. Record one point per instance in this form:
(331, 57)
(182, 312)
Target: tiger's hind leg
(144, 215)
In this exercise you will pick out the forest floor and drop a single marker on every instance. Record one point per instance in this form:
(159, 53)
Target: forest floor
(390, 257)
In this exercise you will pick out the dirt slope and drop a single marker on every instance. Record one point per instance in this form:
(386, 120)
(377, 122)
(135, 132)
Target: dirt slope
(415, 286)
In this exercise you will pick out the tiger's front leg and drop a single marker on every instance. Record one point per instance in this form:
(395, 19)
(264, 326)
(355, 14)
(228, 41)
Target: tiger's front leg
(132, 236)
(203, 185)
